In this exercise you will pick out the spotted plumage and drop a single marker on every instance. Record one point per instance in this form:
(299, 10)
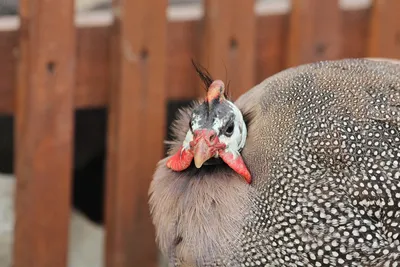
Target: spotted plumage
(323, 150)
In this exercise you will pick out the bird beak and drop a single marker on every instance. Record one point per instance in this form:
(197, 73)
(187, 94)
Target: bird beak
(202, 152)
(204, 146)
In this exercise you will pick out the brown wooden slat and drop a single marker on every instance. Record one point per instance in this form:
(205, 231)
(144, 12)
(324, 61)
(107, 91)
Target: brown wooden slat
(315, 31)
(136, 130)
(384, 38)
(271, 45)
(8, 51)
(44, 130)
(93, 68)
(229, 43)
(355, 33)
(182, 46)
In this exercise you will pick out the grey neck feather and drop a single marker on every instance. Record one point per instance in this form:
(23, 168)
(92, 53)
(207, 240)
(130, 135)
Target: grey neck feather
(198, 218)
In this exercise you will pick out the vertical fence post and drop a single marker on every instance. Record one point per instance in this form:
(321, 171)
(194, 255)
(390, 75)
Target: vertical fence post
(384, 35)
(228, 44)
(136, 129)
(314, 32)
(44, 132)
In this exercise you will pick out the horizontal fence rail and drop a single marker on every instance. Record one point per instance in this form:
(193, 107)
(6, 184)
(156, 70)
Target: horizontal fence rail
(133, 61)
(271, 43)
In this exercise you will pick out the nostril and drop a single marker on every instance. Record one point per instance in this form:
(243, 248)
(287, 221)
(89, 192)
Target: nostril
(212, 137)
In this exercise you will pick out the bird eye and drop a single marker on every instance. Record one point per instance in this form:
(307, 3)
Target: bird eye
(229, 130)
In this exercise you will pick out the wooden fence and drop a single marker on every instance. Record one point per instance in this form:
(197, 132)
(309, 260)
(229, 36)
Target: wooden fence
(133, 64)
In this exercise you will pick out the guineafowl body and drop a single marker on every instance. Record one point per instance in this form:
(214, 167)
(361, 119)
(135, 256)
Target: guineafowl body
(323, 150)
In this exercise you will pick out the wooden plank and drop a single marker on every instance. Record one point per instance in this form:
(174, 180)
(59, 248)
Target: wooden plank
(314, 32)
(355, 33)
(229, 43)
(136, 129)
(384, 38)
(183, 44)
(93, 68)
(44, 132)
(271, 42)
(8, 52)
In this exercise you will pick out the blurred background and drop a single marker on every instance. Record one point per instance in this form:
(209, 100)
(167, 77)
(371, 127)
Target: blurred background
(242, 42)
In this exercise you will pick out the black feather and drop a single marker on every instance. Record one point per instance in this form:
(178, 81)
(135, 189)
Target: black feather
(203, 73)
(207, 79)
(227, 92)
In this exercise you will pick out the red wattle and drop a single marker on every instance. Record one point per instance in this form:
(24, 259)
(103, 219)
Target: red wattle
(180, 160)
(237, 164)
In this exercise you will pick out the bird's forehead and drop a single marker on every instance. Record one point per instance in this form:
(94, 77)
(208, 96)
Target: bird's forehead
(203, 117)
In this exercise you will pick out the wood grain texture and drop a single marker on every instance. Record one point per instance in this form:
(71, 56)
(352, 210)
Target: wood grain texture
(271, 45)
(315, 31)
(8, 51)
(384, 33)
(229, 43)
(44, 132)
(354, 28)
(182, 46)
(136, 129)
(93, 68)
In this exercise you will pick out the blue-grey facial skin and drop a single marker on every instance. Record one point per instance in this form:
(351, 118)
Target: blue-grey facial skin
(206, 115)
(225, 119)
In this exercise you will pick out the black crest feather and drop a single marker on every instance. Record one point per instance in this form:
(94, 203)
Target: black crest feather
(203, 73)
(207, 79)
